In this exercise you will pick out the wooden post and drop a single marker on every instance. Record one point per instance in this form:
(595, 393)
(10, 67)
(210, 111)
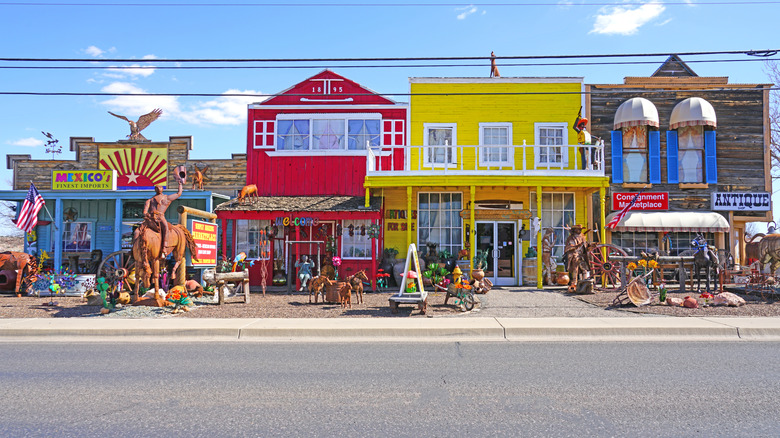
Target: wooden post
(473, 225)
(539, 279)
(408, 215)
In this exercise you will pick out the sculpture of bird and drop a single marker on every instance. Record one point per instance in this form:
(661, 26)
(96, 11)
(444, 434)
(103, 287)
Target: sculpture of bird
(143, 121)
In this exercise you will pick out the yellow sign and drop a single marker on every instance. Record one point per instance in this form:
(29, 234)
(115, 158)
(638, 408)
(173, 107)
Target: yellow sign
(205, 236)
(83, 180)
(138, 168)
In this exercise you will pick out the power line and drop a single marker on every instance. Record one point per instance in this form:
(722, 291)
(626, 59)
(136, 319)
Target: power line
(524, 93)
(388, 5)
(271, 67)
(769, 52)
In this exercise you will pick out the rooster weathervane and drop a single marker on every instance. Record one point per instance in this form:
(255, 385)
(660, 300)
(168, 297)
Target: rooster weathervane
(143, 121)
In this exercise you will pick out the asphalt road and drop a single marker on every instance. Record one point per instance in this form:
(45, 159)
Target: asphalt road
(413, 389)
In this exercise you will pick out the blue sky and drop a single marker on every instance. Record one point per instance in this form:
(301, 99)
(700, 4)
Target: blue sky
(257, 30)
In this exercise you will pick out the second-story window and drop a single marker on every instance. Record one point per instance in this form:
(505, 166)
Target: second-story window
(690, 154)
(327, 133)
(550, 139)
(495, 134)
(635, 154)
(439, 139)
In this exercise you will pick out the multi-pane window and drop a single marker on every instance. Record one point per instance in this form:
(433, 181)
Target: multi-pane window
(327, 133)
(355, 242)
(439, 139)
(249, 235)
(495, 134)
(635, 160)
(77, 236)
(690, 153)
(558, 214)
(681, 241)
(439, 221)
(634, 242)
(550, 139)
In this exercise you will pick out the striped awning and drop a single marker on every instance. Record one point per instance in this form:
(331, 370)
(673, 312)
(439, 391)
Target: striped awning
(636, 111)
(670, 221)
(693, 111)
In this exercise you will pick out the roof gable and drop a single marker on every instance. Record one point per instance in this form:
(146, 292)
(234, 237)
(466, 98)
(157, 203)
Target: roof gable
(674, 66)
(328, 88)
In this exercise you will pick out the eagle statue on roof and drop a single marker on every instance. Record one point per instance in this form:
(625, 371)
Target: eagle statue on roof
(143, 121)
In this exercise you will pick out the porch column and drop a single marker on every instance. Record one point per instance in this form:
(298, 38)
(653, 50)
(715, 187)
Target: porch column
(409, 216)
(473, 225)
(603, 215)
(539, 283)
(368, 197)
(372, 277)
(57, 234)
(118, 224)
(224, 239)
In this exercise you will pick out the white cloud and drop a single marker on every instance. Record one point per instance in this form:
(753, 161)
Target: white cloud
(96, 51)
(468, 10)
(625, 20)
(133, 70)
(224, 110)
(29, 142)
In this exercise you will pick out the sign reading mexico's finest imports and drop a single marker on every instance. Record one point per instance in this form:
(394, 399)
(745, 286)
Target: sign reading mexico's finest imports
(646, 201)
(83, 180)
(741, 201)
(205, 236)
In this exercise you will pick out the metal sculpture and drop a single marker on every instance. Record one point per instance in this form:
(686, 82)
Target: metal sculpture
(198, 176)
(356, 284)
(576, 255)
(548, 264)
(26, 265)
(704, 257)
(156, 238)
(138, 126)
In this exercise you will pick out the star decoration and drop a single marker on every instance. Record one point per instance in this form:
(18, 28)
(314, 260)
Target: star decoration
(132, 178)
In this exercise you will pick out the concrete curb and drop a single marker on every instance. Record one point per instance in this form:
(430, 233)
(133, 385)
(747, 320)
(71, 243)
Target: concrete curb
(393, 329)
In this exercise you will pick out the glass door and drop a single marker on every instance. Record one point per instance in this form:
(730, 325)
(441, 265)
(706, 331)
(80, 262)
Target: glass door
(499, 240)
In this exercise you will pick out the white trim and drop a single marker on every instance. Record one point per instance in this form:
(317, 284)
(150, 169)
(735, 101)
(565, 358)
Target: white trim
(327, 107)
(509, 138)
(483, 80)
(462, 206)
(319, 153)
(265, 125)
(329, 116)
(564, 149)
(453, 163)
(346, 117)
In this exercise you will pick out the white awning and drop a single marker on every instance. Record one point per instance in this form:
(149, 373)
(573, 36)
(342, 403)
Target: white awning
(635, 112)
(693, 111)
(690, 221)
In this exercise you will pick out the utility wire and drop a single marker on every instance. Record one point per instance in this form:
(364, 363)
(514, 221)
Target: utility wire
(271, 67)
(769, 52)
(386, 5)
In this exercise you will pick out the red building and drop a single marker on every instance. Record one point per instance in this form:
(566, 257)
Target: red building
(307, 153)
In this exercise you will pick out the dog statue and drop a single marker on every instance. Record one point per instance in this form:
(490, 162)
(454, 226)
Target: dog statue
(345, 296)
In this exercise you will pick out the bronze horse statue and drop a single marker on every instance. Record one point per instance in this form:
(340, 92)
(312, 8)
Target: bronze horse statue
(356, 281)
(20, 262)
(147, 256)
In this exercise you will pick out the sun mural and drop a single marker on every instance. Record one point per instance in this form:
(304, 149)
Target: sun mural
(137, 168)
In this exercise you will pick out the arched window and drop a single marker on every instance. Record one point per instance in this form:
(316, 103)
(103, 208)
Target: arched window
(636, 143)
(690, 143)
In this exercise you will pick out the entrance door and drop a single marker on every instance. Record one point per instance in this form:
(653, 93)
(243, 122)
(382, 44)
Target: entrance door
(499, 239)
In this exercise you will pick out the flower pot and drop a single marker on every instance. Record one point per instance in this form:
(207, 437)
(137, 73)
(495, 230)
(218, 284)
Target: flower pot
(478, 274)
(562, 278)
(332, 291)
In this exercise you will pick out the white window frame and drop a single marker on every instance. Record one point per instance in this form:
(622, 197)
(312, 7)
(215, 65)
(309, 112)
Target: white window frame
(456, 246)
(452, 161)
(564, 233)
(262, 129)
(91, 232)
(242, 239)
(329, 116)
(345, 236)
(510, 151)
(564, 147)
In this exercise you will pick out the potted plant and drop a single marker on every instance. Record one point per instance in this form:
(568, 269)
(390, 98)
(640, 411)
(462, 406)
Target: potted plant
(480, 264)
(435, 273)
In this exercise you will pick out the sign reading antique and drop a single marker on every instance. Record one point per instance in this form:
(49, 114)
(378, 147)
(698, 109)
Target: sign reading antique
(296, 221)
(83, 180)
(205, 236)
(741, 201)
(646, 201)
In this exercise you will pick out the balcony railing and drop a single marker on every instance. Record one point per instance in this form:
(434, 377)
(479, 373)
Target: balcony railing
(512, 160)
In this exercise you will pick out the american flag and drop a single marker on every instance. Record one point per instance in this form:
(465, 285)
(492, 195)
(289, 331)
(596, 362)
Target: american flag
(619, 217)
(28, 216)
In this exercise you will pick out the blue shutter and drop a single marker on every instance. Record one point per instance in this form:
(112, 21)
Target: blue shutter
(617, 157)
(710, 157)
(655, 157)
(672, 166)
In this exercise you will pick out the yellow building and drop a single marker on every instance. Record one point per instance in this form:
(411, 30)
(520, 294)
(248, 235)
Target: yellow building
(484, 157)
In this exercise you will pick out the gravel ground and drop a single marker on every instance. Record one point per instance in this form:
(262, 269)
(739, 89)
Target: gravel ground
(499, 302)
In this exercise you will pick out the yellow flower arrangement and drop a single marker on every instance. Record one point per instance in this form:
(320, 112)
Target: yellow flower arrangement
(642, 263)
(631, 266)
(652, 264)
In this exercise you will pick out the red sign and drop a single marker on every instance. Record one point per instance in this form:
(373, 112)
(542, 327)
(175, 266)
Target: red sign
(646, 201)
(205, 236)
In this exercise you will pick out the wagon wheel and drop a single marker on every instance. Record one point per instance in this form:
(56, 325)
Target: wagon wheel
(606, 271)
(116, 267)
(468, 301)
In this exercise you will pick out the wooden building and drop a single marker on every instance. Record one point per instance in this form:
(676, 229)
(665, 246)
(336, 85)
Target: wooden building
(698, 150)
(307, 150)
(86, 216)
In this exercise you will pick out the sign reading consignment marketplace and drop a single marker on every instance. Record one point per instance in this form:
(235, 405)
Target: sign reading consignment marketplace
(741, 201)
(205, 236)
(646, 201)
(83, 180)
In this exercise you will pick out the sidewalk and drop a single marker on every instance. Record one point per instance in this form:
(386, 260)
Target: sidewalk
(659, 328)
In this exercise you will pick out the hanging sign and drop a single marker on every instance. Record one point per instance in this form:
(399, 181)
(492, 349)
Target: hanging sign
(205, 236)
(296, 221)
(83, 180)
(741, 201)
(646, 201)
